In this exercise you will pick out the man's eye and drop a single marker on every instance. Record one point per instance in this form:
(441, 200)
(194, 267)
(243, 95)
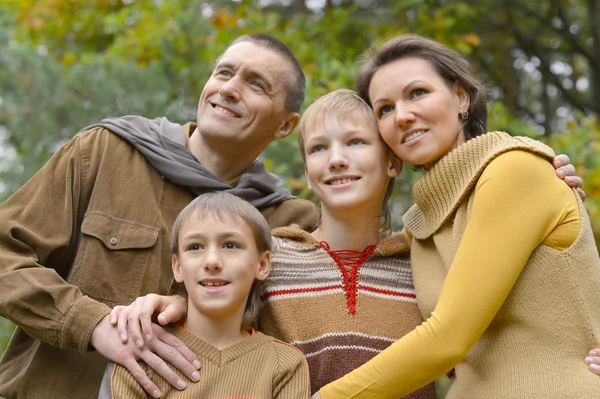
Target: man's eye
(224, 73)
(258, 85)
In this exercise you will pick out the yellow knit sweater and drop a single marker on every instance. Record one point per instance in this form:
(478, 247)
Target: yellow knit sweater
(507, 274)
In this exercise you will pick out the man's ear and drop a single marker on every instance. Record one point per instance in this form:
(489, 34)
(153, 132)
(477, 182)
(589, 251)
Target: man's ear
(395, 166)
(176, 266)
(288, 125)
(264, 266)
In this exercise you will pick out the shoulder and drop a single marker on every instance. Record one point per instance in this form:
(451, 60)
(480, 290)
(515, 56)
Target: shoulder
(519, 167)
(295, 211)
(288, 357)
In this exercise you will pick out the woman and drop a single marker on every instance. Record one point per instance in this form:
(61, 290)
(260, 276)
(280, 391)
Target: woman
(504, 262)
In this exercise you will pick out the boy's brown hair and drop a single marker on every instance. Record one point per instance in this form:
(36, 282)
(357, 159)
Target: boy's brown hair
(343, 105)
(222, 204)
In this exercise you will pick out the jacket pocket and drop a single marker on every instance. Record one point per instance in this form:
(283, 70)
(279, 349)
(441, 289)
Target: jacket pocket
(113, 258)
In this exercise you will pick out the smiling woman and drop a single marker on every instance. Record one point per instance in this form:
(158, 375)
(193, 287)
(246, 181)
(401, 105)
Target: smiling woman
(505, 267)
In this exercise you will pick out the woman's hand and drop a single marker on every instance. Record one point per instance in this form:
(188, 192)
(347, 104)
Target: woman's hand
(137, 317)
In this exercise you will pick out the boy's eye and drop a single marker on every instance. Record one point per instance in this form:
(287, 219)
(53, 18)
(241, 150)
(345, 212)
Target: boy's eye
(356, 142)
(194, 247)
(231, 245)
(317, 148)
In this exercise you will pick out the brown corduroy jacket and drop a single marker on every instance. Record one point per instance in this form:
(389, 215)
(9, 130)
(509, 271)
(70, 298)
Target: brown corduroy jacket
(89, 231)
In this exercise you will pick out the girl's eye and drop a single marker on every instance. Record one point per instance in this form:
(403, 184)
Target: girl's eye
(231, 245)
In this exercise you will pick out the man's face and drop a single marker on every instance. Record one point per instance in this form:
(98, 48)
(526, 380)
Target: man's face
(242, 104)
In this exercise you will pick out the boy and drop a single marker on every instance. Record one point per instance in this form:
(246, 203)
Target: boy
(221, 253)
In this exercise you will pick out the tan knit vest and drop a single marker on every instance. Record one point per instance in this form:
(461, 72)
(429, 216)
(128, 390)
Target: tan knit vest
(536, 344)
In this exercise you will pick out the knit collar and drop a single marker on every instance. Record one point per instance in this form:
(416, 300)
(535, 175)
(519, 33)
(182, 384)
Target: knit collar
(443, 188)
(393, 244)
(210, 352)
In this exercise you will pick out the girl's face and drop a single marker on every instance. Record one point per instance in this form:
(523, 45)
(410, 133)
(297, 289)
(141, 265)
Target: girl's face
(417, 111)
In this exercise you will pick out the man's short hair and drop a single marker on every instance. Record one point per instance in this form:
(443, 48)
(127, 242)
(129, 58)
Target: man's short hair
(221, 204)
(295, 82)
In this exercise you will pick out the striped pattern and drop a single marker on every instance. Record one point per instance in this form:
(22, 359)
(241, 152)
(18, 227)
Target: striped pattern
(258, 367)
(304, 303)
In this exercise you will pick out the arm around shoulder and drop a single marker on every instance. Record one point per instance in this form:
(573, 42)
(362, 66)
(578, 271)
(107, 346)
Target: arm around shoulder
(295, 211)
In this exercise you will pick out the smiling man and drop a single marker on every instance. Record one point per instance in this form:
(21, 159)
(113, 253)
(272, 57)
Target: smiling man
(91, 229)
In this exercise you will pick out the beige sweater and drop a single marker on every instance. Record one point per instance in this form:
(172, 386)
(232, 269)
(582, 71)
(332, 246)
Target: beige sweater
(259, 367)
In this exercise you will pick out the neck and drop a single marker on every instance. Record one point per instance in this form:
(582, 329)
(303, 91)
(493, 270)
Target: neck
(344, 231)
(220, 332)
(225, 163)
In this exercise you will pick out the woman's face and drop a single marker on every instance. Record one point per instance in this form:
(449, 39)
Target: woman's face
(417, 111)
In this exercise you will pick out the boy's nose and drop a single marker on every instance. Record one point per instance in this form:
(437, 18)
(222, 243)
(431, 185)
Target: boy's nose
(213, 261)
(338, 159)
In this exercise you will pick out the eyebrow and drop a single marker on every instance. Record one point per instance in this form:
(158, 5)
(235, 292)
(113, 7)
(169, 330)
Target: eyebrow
(252, 74)
(404, 90)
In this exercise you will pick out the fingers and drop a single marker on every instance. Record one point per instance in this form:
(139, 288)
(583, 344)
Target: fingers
(172, 350)
(172, 312)
(593, 361)
(142, 378)
(581, 193)
(561, 160)
(567, 170)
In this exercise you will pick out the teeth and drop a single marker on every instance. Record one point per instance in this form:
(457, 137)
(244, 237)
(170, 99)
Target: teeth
(340, 181)
(415, 135)
(211, 284)
(225, 111)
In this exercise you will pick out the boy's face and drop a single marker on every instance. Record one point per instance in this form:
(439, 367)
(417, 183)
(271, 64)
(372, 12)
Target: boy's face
(348, 166)
(218, 261)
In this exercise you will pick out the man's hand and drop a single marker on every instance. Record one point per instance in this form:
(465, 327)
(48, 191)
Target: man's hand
(593, 361)
(566, 171)
(105, 338)
(316, 395)
(135, 321)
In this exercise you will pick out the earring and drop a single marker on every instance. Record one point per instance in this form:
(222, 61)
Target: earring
(464, 114)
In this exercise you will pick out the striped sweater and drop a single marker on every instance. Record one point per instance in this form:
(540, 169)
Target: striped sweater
(338, 319)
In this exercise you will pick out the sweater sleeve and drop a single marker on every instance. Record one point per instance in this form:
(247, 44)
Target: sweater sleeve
(292, 381)
(518, 203)
(37, 242)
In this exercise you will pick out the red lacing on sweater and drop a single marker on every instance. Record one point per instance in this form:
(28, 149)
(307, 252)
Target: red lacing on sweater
(349, 262)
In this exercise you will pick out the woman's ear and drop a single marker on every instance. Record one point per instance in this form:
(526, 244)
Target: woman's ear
(463, 97)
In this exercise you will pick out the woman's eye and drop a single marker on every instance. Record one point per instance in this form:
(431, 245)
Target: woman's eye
(385, 109)
(418, 93)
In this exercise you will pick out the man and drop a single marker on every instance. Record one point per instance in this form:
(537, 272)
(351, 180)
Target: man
(91, 229)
